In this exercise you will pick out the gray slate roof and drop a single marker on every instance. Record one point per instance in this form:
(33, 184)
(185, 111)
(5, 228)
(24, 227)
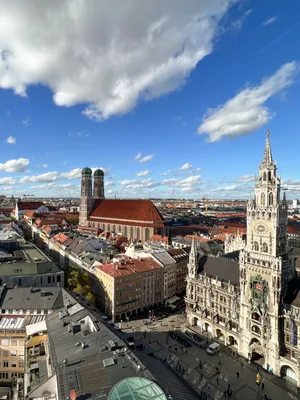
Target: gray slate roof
(32, 299)
(84, 370)
(222, 268)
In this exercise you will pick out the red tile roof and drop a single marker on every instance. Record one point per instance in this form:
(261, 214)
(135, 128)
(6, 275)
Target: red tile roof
(129, 210)
(29, 205)
(61, 237)
(129, 266)
(29, 213)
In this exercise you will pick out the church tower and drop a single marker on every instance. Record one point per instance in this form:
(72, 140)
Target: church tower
(86, 197)
(98, 184)
(266, 267)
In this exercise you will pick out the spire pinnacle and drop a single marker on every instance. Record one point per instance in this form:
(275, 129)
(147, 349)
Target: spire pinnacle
(268, 159)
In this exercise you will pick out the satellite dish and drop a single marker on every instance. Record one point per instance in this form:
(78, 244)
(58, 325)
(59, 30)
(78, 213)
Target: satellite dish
(73, 394)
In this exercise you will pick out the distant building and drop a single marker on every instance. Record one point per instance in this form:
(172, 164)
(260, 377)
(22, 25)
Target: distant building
(135, 219)
(23, 206)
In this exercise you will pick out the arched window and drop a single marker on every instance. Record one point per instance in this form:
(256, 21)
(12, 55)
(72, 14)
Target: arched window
(119, 229)
(138, 234)
(262, 199)
(256, 329)
(147, 234)
(103, 227)
(256, 317)
(265, 176)
(114, 228)
(269, 176)
(255, 246)
(270, 215)
(131, 232)
(271, 199)
(108, 227)
(125, 231)
(253, 214)
(265, 247)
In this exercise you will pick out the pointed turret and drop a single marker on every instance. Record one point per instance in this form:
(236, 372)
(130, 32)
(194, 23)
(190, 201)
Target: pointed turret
(268, 159)
(193, 260)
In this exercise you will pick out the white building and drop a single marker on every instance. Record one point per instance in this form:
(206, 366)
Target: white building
(253, 305)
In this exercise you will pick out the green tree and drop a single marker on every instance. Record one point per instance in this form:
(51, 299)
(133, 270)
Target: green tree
(79, 282)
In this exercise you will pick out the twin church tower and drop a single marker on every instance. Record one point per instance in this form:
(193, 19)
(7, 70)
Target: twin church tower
(88, 196)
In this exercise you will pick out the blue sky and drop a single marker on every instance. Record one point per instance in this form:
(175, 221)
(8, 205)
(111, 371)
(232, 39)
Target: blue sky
(171, 99)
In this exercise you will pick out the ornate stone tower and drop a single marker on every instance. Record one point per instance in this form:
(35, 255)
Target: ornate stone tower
(98, 184)
(265, 268)
(86, 198)
(193, 261)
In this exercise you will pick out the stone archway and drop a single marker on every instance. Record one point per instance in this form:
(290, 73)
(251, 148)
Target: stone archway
(207, 328)
(219, 334)
(288, 374)
(230, 341)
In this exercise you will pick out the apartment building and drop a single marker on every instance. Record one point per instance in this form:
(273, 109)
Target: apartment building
(129, 287)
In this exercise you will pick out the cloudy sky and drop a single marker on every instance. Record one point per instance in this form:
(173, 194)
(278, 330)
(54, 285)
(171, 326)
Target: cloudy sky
(171, 98)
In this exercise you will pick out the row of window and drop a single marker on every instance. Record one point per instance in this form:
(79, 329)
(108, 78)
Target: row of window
(11, 342)
(112, 228)
(12, 364)
(50, 279)
(6, 375)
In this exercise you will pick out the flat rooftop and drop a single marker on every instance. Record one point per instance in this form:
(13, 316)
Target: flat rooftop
(26, 260)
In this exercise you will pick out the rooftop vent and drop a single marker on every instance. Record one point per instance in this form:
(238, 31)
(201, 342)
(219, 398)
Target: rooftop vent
(108, 362)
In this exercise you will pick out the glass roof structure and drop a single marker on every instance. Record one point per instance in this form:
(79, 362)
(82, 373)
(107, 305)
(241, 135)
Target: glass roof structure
(136, 388)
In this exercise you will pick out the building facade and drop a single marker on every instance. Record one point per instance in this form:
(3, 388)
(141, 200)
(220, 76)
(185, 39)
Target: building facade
(129, 287)
(253, 304)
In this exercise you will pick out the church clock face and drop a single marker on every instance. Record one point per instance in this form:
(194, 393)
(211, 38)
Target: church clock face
(261, 228)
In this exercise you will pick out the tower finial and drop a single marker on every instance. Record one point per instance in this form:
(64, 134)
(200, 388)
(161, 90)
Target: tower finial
(268, 159)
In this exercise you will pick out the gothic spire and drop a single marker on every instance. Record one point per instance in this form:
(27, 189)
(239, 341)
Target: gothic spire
(268, 159)
(193, 252)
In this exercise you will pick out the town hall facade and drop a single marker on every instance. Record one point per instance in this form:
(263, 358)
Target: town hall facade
(253, 304)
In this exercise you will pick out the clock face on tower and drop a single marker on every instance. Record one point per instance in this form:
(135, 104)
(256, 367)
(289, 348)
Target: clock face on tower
(261, 228)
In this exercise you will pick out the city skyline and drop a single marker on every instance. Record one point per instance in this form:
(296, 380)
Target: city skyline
(172, 104)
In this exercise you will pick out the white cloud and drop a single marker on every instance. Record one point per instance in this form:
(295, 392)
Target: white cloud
(138, 184)
(138, 156)
(19, 165)
(107, 54)
(166, 173)
(44, 166)
(143, 173)
(225, 188)
(25, 121)
(239, 22)
(53, 185)
(54, 175)
(109, 183)
(47, 177)
(247, 111)
(7, 188)
(186, 166)
(73, 174)
(146, 158)
(7, 181)
(246, 178)
(11, 140)
(270, 21)
(186, 185)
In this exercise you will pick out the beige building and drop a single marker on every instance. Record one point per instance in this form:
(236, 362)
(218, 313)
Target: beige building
(12, 336)
(254, 304)
(129, 287)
